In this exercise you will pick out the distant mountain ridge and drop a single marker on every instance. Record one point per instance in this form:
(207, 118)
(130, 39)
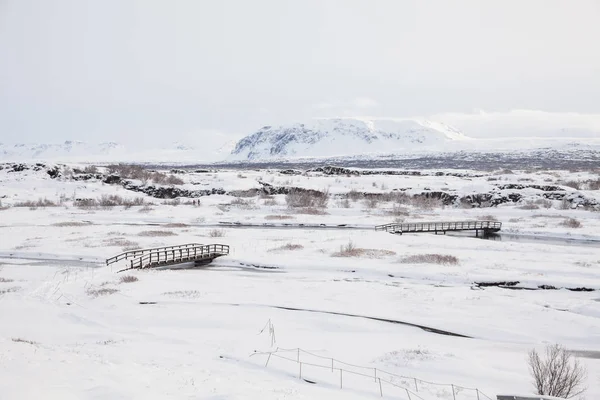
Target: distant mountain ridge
(345, 136)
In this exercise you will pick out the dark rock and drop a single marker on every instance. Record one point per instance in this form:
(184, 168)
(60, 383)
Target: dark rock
(112, 179)
(54, 172)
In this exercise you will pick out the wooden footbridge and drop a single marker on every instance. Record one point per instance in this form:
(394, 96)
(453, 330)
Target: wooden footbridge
(486, 227)
(171, 255)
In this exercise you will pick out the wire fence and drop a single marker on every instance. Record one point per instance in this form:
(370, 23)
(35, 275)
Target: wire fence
(401, 384)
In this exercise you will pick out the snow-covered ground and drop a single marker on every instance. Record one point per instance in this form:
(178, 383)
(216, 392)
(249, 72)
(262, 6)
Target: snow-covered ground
(71, 329)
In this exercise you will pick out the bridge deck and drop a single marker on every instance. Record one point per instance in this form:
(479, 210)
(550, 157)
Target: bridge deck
(165, 256)
(400, 228)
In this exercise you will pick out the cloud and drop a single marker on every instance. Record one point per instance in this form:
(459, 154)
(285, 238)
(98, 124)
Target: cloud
(365, 102)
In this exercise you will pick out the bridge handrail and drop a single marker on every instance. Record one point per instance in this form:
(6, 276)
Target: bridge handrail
(141, 252)
(442, 225)
(171, 255)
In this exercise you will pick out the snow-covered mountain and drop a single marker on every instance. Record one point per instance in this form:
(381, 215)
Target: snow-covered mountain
(345, 137)
(67, 149)
(76, 151)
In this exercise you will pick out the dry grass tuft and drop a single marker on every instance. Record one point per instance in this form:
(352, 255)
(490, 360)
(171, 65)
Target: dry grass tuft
(146, 209)
(101, 292)
(71, 223)
(310, 211)
(487, 218)
(157, 233)
(176, 225)
(21, 340)
(186, 294)
(5, 280)
(128, 279)
(430, 259)
(10, 290)
(350, 250)
(288, 246)
(279, 217)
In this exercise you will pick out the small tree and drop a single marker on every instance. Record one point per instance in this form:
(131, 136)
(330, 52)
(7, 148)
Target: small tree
(559, 374)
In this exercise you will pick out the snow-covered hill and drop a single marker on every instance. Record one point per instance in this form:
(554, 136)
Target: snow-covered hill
(344, 137)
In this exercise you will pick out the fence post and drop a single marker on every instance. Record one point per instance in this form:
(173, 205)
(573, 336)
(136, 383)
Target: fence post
(375, 369)
(300, 371)
(453, 395)
(408, 394)
(332, 365)
(298, 355)
(341, 385)
(477, 390)
(416, 387)
(380, 389)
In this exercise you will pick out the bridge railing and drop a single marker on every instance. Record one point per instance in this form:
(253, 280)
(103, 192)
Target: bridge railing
(141, 252)
(162, 256)
(439, 226)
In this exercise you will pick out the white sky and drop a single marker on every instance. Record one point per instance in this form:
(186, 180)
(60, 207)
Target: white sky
(146, 70)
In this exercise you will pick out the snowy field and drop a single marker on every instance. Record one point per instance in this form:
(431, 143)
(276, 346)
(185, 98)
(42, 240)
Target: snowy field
(365, 308)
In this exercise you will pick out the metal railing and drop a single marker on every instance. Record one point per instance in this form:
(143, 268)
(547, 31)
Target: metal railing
(379, 376)
(141, 252)
(440, 226)
(175, 255)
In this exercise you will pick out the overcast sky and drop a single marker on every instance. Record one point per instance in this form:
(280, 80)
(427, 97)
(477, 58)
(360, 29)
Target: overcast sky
(124, 70)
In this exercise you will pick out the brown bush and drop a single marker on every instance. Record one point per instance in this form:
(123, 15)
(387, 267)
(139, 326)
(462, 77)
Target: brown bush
(429, 259)
(71, 224)
(303, 198)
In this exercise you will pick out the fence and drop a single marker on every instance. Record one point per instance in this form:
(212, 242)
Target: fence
(380, 377)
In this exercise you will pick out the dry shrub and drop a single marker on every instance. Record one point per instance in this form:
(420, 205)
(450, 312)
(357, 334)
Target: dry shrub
(398, 211)
(426, 203)
(355, 195)
(302, 198)
(288, 246)
(120, 242)
(573, 184)
(156, 233)
(71, 223)
(559, 374)
(34, 204)
(279, 217)
(571, 223)
(343, 203)
(173, 202)
(10, 290)
(176, 225)
(270, 202)
(430, 259)
(90, 169)
(129, 171)
(487, 218)
(101, 292)
(128, 279)
(5, 280)
(145, 209)
(371, 202)
(216, 233)
(244, 204)
(350, 250)
(310, 211)
(529, 205)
